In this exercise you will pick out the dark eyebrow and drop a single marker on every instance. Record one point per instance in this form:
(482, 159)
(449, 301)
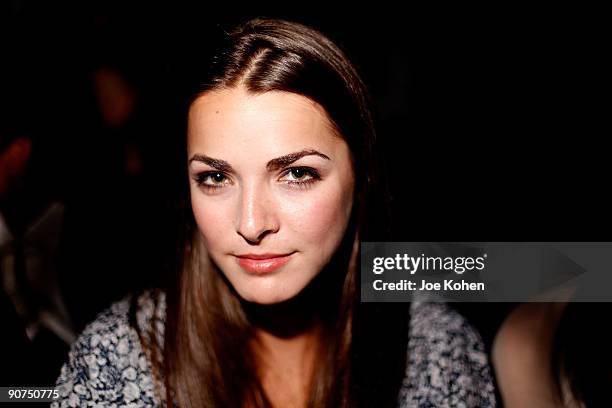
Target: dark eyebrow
(286, 160)
(272, 165)
(218, 164)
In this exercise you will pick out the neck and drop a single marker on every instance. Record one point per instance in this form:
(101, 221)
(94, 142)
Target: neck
(288, 338)
(286, 342)
(287, 319)
(287, 358)
(287, 331)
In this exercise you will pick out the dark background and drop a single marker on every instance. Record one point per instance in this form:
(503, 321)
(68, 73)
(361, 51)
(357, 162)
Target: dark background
(488, 121)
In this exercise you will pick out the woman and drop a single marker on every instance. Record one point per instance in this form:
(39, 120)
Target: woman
(265, 310)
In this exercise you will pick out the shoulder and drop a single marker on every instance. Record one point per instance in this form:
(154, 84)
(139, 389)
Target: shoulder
(522, 353)
(447, 362)
(107, 364)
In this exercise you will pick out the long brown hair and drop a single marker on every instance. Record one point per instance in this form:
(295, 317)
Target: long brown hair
(206, 360)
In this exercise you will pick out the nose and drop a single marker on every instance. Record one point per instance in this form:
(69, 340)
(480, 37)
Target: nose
(256, 215)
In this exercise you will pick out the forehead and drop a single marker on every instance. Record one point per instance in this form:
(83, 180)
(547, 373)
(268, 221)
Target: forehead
(225, 121)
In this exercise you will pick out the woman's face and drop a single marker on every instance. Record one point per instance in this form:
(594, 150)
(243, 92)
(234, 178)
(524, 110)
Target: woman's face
(271, 189)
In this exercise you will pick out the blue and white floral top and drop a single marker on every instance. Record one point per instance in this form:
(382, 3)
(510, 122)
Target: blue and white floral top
(107, 366)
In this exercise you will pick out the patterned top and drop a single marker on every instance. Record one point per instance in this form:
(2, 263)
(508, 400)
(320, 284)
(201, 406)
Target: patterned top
(107, 366)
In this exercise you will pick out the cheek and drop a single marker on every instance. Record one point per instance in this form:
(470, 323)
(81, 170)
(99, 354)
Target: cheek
(319, 220)
(211, 218)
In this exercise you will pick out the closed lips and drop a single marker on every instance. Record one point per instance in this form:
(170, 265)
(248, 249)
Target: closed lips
(263, 263)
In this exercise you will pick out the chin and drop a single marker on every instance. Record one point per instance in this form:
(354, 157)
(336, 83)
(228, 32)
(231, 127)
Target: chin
(267, 297)
(266, 291)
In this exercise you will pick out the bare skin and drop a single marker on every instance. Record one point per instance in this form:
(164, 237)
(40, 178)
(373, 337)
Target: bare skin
(287, 341)
(522, 354)
(271, 178)
(286, 365)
